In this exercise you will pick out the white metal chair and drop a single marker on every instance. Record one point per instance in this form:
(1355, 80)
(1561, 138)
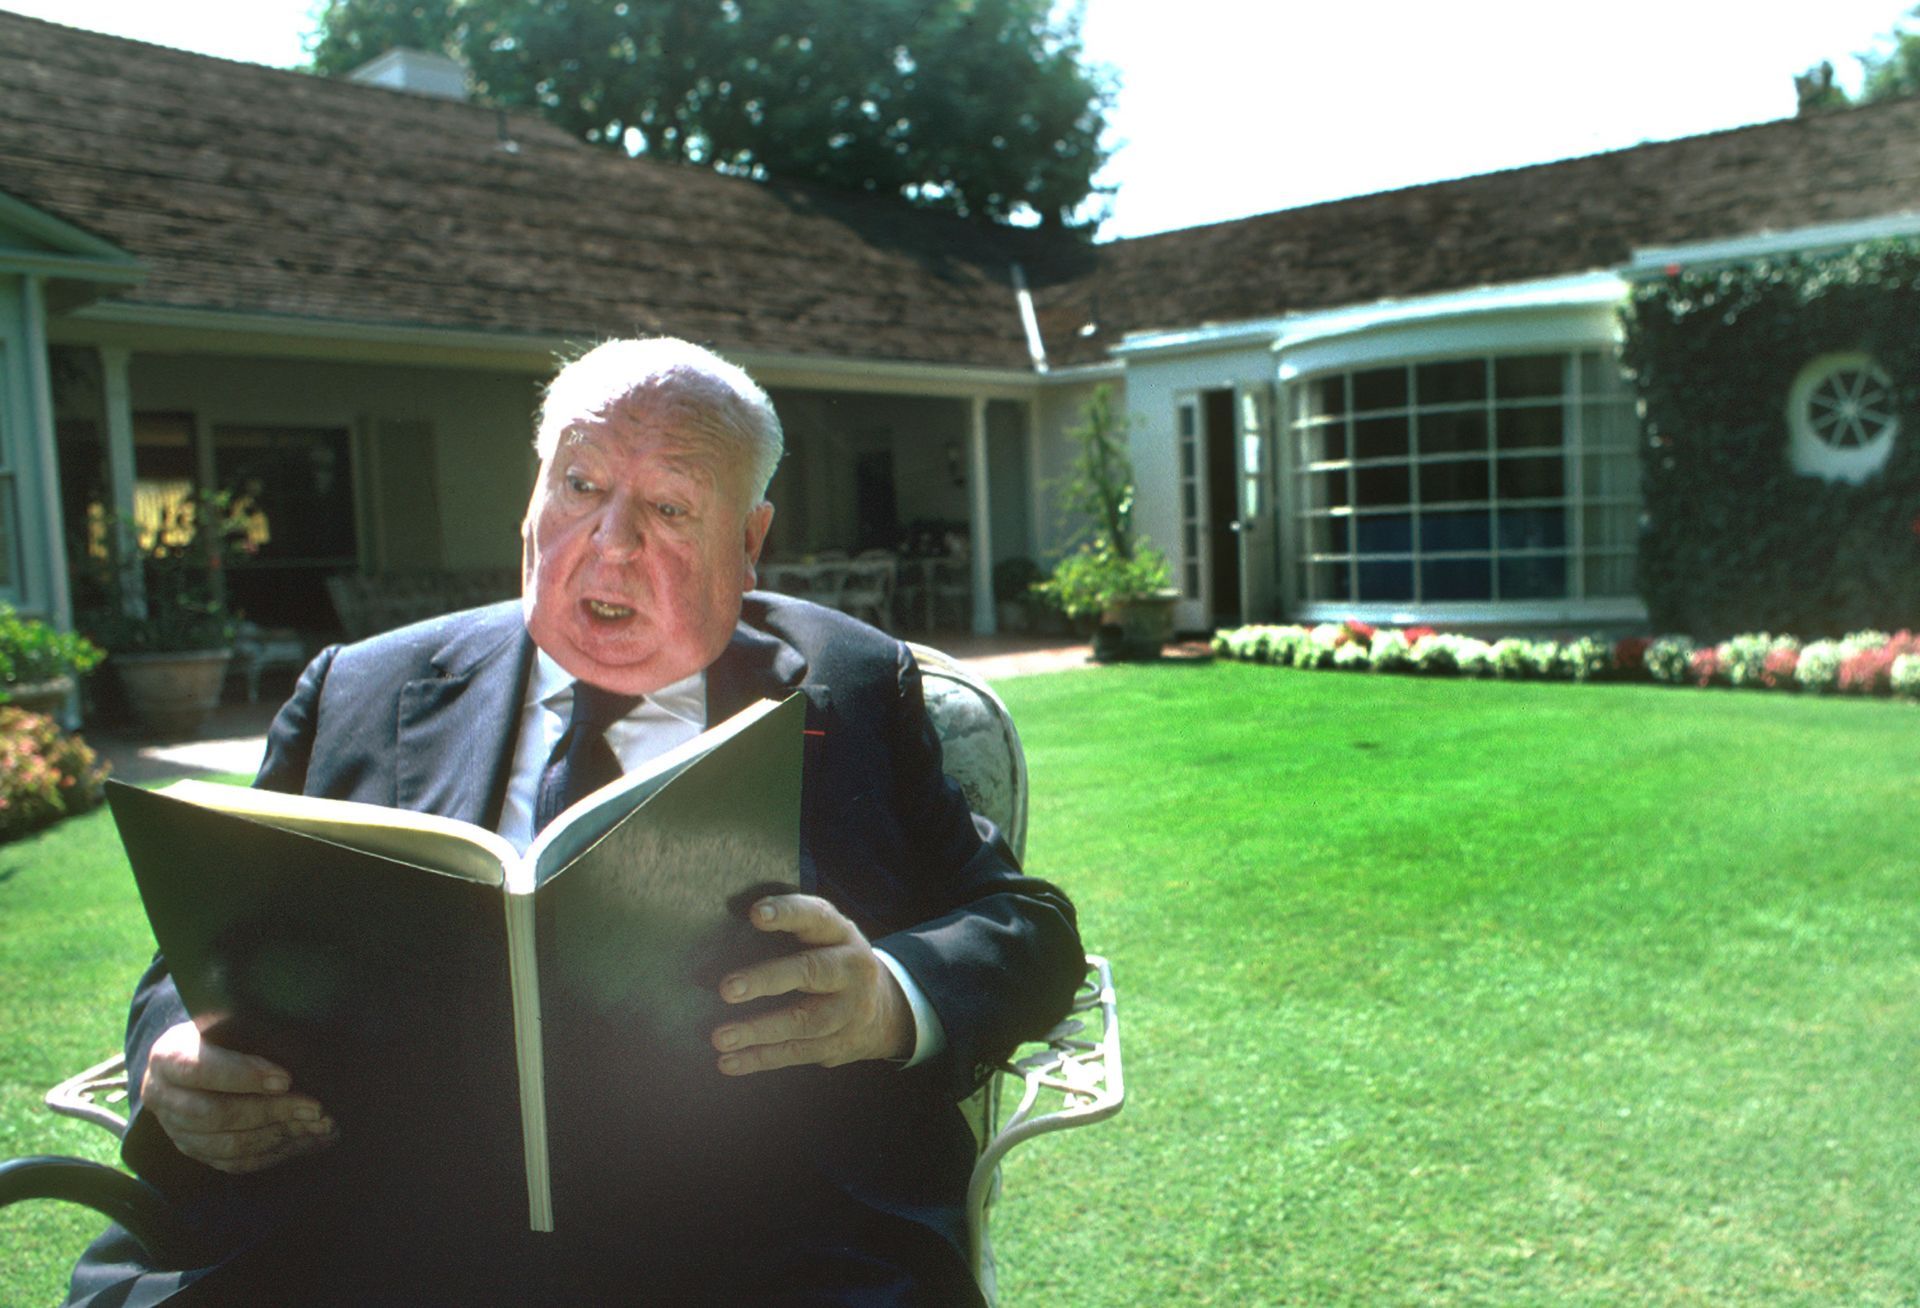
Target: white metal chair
(1071, 1078)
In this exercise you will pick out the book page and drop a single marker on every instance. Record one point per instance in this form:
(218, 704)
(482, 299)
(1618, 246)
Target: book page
(425, 840)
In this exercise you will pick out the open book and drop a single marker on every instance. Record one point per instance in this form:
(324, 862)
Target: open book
(437, 991)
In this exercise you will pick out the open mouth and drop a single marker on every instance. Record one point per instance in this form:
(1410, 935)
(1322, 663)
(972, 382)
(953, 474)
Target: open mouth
(602, 611)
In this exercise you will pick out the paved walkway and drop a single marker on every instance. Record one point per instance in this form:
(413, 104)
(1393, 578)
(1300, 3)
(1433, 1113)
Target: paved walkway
(235, 738)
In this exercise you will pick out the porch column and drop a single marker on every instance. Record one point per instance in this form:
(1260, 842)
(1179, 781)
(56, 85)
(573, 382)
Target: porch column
(117, 400)
(1036, 483)
(48, 554)
(980, 516)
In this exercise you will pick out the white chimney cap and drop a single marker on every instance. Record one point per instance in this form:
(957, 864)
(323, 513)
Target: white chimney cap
(418, 71)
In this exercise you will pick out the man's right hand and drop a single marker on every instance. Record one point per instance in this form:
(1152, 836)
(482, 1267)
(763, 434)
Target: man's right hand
(230, 1111)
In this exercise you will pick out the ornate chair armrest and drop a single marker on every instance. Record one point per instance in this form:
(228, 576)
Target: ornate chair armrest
(125, 1199)
(86, 1094)
(1082, 1069)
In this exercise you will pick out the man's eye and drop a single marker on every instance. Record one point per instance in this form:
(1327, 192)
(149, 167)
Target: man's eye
(578, 484)
(671, 510)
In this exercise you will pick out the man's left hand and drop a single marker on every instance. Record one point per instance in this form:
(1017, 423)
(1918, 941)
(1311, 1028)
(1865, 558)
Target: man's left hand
(850, 1008)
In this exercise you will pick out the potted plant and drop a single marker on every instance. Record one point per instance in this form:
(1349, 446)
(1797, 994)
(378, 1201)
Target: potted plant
(39, 665)
(170, 646)
(1013, 595)
(1113, 575)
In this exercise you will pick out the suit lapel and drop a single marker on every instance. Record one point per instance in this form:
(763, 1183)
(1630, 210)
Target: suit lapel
(457, 729)
(757, 665)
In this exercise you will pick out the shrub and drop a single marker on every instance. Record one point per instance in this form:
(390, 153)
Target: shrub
(1589, 658)
(1445, 652)
(1352, 656)
(1391, 651)
(1819, 666)
(45, 774)
(33, 652)
(1906, 675)
(1670, 659)
(1359, 632)
(1705, 666)
(1630, 656)
(1549, 658)
(1510, 657)
(1868, 669)
(1744, 657)
(1781, 668)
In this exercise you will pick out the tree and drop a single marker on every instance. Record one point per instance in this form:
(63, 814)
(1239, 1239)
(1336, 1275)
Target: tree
(983, 107)
(1886, 74)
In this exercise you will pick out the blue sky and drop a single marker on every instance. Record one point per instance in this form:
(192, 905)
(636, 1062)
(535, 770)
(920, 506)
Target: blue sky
(1233, 107)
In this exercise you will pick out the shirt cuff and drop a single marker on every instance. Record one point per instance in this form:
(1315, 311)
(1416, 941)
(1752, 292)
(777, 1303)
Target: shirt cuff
(929, 1037)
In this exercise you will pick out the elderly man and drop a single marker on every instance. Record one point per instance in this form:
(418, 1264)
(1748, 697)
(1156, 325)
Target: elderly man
(918, 951)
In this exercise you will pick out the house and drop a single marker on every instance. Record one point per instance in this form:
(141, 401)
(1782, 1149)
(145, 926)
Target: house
(343, 296)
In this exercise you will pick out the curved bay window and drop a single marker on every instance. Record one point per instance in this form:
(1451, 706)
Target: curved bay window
(1494, 479)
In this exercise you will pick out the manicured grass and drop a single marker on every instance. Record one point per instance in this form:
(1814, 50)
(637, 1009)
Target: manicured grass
(1444, 992)
(1434, 992)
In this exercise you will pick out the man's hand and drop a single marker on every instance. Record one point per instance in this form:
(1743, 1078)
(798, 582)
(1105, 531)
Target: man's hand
(851, 1009)
(230, 1111)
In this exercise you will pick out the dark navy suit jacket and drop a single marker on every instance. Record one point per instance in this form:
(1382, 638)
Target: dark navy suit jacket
(854, 1195)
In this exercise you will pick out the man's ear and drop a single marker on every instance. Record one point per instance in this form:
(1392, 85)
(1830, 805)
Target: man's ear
(759, 519)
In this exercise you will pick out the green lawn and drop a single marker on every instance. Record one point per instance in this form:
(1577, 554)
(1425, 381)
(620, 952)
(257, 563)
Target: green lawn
(1434, 992)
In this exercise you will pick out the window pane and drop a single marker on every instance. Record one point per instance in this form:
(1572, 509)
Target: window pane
(1536, 425)
(1610, 575)
(1329, 581)
(1528, 376)
(1324, 535)
(1186, 458)
(1193, 580)
(1460, 432)
(1532, 479)
(1386, 580)
(1390, 533)
(1608, 426)
(1382, 388)
(1190, 498)
(1444, 533)
(1320, 443)
(1600, 374)
(1187, 413)
(1380, 438)
(1542, 577)
(1454, 481)
(1533, 529)
(1388, 485)
(1456, 382)
(1456, 579)
(1191, 540)
(1612, 476)
(1324, 490)
(1325, 396)
(1611, 527)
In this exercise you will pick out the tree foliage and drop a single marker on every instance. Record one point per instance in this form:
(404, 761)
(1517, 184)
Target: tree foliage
(1886, 74)
(983, 107)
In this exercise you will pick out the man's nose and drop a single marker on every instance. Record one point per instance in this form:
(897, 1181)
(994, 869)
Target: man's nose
(616, 534)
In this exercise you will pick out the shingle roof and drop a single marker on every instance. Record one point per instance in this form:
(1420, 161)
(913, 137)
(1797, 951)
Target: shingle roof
(264, 191)
(1541, 221)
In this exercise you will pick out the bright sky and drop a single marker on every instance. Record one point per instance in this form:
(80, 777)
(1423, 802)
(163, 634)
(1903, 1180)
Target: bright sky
(1234, 107)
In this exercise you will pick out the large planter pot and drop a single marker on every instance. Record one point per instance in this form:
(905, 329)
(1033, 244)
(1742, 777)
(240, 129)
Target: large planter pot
(47, 697)
(1145, 624)
(171, 694)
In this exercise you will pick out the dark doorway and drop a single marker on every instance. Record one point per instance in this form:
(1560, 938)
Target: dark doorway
(1223, 511)
(876, 509)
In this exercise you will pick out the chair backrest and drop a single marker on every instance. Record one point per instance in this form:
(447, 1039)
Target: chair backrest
(978, 742)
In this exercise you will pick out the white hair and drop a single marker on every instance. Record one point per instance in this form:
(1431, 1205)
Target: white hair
(721, 402)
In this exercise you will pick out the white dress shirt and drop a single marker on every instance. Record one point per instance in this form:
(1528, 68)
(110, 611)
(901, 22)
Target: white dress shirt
(669, 716)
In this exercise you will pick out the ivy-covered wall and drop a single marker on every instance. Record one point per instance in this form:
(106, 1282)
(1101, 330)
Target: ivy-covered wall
(1736, 539)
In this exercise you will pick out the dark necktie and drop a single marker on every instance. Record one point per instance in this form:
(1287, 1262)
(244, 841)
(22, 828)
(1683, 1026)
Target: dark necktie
(582, 760)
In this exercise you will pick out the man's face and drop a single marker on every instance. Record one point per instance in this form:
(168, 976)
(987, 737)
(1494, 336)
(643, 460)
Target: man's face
(637, 547)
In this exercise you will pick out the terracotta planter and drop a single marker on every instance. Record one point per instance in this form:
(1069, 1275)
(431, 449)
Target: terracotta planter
(1145, 625)
(47, 697)
(172, 693)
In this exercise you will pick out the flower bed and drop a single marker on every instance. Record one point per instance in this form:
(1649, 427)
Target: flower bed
(45, 773)
(1864, 663)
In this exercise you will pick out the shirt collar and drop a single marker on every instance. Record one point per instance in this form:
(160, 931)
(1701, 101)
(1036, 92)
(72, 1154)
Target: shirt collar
(685, 699)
